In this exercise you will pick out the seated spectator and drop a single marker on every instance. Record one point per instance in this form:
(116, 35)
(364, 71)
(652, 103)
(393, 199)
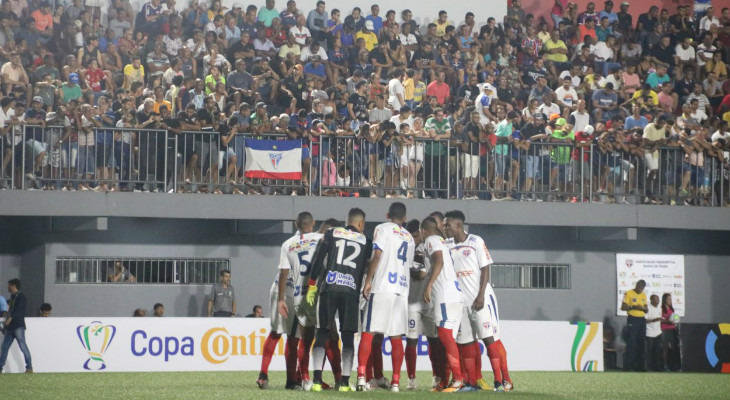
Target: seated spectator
(120, 273)
(257, 312)
(45, 310)
(158, 310)
(140, 312)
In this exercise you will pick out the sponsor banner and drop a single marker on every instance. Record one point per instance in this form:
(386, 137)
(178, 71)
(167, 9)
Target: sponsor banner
(705, 347)
(663, 273)
(218, 344)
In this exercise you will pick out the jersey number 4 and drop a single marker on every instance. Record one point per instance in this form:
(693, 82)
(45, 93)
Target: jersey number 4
(403, 252)
(349, 261)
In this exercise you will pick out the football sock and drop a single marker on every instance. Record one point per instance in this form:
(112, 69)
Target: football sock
(318, 354)
(377, 356)
(467, 355)
(451, 351)
(397, 357)
(411, 356)
(478, 360)
(335, 358)
(366, 341)
(493, 354)
(503, 361)
(290, 355)
(269, 347)
(303, 355)
(348, 356)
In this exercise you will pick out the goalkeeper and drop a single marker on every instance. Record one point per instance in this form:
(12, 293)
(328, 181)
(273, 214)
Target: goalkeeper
(338, 266)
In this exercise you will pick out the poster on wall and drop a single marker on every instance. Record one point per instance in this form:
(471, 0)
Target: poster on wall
(663, 273)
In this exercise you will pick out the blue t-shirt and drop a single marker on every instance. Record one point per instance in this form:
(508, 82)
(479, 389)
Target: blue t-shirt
(311, 69)
(604, 98)
(377, 23)
(631, 122)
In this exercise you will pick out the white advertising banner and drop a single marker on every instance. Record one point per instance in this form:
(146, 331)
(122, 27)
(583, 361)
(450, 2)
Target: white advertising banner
(221, 344)
(663, 273)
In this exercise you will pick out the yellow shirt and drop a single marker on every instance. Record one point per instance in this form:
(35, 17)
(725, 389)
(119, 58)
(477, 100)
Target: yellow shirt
(409, 89)
(652, 94)
(556, 57)
(135, 75)
(726, 116)
(633, 299)
(371, 40)
(441, 28)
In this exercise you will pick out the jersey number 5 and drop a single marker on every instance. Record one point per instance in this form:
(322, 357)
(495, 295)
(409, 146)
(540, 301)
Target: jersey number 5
(303, 263)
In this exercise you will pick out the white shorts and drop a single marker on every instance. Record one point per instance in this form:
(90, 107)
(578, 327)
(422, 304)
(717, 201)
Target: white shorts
(420, 322)
(477, 325)
(306, 314)
(652, 163)
(279, 324)
(386, 313)
(470, 165)
(448, 315)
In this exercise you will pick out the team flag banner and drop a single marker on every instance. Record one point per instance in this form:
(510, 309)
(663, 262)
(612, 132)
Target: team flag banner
(236, 344)
(663, 273)
(274, 159)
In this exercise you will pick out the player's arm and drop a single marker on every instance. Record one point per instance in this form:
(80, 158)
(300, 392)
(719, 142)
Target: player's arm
(317, 264)
(437, 262)
(284, 268)
(371, 272)
(483, 280)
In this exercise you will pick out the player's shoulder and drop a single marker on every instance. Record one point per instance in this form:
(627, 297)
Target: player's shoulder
(473, 240)
(347, 234)
(435, 242)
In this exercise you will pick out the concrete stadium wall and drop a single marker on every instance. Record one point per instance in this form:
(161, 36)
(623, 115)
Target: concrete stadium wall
(253, 263)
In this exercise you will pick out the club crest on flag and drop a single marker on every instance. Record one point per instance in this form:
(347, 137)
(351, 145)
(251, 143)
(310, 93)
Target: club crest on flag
(629, 263)
(275, 159)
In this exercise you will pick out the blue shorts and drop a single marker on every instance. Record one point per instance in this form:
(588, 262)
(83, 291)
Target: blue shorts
(305, 153)
(500, 162)
(698, 173)
(87, 160)
(532, 165)
(391, 160)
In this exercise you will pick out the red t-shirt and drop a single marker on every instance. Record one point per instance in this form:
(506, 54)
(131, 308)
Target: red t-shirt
(440, 91)
(581, 137)
(94, 78)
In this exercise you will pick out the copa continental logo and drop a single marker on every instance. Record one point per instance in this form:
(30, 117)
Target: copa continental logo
(96, 339)
(710, 350)
(584, 335)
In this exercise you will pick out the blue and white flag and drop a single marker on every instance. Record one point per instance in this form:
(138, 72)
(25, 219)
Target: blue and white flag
(274, 159)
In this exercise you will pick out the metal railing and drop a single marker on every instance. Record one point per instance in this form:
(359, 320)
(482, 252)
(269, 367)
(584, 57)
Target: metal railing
(139, 270)
(108, 159)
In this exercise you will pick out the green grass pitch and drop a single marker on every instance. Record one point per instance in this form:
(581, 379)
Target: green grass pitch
(241, 385)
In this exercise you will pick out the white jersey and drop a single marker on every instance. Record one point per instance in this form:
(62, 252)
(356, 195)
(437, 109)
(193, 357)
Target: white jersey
(469, 257)
(417, 287)
(393, 272)
(296, 255)
(446, 286)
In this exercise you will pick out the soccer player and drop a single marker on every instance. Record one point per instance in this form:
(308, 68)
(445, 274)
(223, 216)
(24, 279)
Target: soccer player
(442, 292)
(386, 288)
(287, 298)
(420, 321)
(337, 270)
(480, 319)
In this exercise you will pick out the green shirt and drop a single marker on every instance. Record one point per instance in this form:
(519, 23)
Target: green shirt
(437, 148)
(70, 93)
(561, 154)
(266, 16)
(504, 129)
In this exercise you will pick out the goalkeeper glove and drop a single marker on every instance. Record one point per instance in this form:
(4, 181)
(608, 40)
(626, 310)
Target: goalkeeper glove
(311, 294)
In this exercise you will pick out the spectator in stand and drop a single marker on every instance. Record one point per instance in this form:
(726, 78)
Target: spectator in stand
(139, 312)
(256, 312)
(158, 310)
(45, 310)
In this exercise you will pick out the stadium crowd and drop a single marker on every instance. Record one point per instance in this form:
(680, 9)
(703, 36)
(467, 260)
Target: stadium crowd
(588, 106)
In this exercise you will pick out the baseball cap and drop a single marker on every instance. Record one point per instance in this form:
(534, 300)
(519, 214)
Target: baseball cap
(38, 99)
(538, 115)
(260, 104)
(78, 23)
(625, 3)
(560, 122)
(553, 117)
(51, 115)
(589, 129)
(369, 25)
(73, 78)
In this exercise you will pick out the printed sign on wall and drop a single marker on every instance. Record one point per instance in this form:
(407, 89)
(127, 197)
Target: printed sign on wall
(663, 274)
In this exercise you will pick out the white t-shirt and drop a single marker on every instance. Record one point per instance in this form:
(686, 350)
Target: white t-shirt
(469, 257)
(553, 108)
(397, 121)
(568, 97)
(722, 135)
(687, 54)
(300, 36)
(296, 255)
(575, 80)
(653, 329)
(482, 101)
(306, 52)
(706, 22)
(395, 87)
(397, 249)
(446, 286)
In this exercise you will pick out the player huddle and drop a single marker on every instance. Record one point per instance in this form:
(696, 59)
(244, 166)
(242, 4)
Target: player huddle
(413, 278)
